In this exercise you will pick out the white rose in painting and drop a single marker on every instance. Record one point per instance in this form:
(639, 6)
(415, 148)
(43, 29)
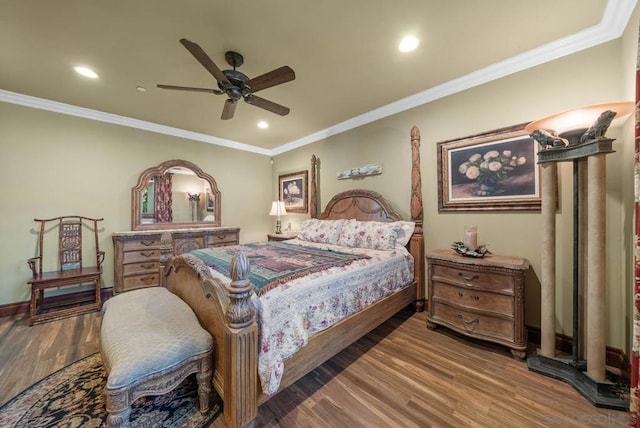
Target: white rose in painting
(492, 154)
(522, 160)
(506, 153)
(475, 158)
(472, 172)
(463, 168)
(495, 166)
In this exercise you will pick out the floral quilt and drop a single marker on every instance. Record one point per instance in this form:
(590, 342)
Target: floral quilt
(290, 313)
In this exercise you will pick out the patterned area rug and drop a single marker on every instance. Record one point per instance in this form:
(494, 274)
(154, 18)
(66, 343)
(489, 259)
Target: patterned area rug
(72, 397)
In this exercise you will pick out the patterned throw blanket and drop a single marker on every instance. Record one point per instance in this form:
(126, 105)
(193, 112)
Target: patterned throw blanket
(274, 263)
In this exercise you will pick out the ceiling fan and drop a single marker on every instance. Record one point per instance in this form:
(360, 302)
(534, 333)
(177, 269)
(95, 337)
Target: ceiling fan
(237, 85)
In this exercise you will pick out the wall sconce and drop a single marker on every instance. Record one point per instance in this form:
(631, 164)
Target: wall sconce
(278, 209)
(194, 197)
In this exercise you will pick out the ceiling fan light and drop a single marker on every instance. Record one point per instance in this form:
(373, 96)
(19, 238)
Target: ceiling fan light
(263, 124)
(85, 71)
(408, 44)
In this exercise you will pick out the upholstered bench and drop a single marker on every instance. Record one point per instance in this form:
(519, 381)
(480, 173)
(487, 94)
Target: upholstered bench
(150, 342)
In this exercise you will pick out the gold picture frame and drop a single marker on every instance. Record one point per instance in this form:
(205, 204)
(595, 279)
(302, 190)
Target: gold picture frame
(293, 190)
(492, 171)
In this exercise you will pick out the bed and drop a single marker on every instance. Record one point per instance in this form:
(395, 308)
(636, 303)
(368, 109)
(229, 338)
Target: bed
(226, 309)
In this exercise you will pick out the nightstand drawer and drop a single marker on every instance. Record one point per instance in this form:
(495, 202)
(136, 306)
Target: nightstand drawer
(473, 278)
(473, 299)
(473, 323)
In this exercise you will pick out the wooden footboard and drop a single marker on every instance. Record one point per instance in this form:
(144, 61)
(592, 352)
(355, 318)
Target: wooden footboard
(227, 314)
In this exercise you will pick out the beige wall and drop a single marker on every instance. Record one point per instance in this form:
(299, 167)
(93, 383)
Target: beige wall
(592, 76)
(55, 164)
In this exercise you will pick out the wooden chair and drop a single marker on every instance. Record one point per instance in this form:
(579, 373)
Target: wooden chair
(70, 272)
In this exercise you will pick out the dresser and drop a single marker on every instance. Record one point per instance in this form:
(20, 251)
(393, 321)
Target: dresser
(481, 298)
(139, 255)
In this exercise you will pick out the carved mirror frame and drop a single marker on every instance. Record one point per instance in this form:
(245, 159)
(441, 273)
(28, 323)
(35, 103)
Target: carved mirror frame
(136, 214)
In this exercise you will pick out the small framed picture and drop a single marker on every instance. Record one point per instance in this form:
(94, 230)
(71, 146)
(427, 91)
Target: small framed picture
(293, 191)
(210, 202)
(493, 171)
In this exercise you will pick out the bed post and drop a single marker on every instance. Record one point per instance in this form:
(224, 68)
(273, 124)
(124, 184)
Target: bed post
(240, 349)
(313, 197)
(416, 245)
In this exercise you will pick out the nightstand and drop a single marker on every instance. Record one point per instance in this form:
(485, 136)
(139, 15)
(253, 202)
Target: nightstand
(479, 297)
(281, 236)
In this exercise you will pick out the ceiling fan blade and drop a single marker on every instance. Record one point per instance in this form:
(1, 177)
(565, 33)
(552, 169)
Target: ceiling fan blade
(267, 105)
(204, 59)
(272, 78)
(229, 109)
(189, 88)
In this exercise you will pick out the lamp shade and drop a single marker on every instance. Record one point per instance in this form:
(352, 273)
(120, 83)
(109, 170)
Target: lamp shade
(581, 118)
(277, 208)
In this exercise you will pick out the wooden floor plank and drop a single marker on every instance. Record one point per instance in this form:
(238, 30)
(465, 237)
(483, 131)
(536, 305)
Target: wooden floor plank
(399, 375)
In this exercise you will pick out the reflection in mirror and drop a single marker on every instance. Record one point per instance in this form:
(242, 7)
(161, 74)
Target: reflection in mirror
(175, 194)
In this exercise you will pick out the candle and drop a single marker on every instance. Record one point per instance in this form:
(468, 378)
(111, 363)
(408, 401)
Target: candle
(471, 237)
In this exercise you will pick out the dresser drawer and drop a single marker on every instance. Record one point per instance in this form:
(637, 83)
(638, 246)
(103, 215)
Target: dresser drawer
(141, 256)
(149, 279)
(472, 323)
(226, 238)
(473, 278)
(142, 244)
(141, 267)
(467, 297)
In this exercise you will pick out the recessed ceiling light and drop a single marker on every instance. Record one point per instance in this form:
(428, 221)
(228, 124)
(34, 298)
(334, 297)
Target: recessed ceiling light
(408, 44)
(87, 72)
(141, 89)
(263, 125)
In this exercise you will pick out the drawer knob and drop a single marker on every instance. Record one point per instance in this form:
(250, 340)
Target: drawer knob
(476, 298)
(147, 243)
(467, 277)
(147, 279)
(146, 253)
(146, 265)
(460, 294)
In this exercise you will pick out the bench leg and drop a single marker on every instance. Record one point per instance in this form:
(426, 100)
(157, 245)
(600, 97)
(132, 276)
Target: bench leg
(120, 419)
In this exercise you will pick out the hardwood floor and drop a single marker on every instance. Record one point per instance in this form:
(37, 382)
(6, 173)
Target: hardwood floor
(400, 375)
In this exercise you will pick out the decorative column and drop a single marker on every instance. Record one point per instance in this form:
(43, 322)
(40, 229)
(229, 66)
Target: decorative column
(549, 195)
(596, 267)
(240, 361)
(417, 243)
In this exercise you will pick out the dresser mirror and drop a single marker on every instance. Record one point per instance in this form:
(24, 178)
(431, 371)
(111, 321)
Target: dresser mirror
(175, 194)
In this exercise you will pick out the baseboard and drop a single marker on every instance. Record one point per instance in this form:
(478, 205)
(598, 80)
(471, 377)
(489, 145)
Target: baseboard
(615, 358)
(22, 308)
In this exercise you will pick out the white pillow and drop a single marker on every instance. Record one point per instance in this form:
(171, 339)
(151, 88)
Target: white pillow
(375, 235)
(404, 231)
(324, 231)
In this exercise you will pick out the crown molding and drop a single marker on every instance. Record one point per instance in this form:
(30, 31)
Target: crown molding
(612, 25)
(43, 104)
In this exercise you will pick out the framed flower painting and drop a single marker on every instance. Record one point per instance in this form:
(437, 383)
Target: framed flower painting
(293, 191)
(495, 170)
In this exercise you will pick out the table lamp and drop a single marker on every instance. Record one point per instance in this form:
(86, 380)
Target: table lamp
(278, 209)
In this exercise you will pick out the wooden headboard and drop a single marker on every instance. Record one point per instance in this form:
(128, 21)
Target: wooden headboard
(363, 205)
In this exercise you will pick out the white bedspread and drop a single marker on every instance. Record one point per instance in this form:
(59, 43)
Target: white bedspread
(289, 314)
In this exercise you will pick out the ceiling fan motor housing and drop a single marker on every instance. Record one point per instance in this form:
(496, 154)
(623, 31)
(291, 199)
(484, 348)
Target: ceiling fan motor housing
(238, 88)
